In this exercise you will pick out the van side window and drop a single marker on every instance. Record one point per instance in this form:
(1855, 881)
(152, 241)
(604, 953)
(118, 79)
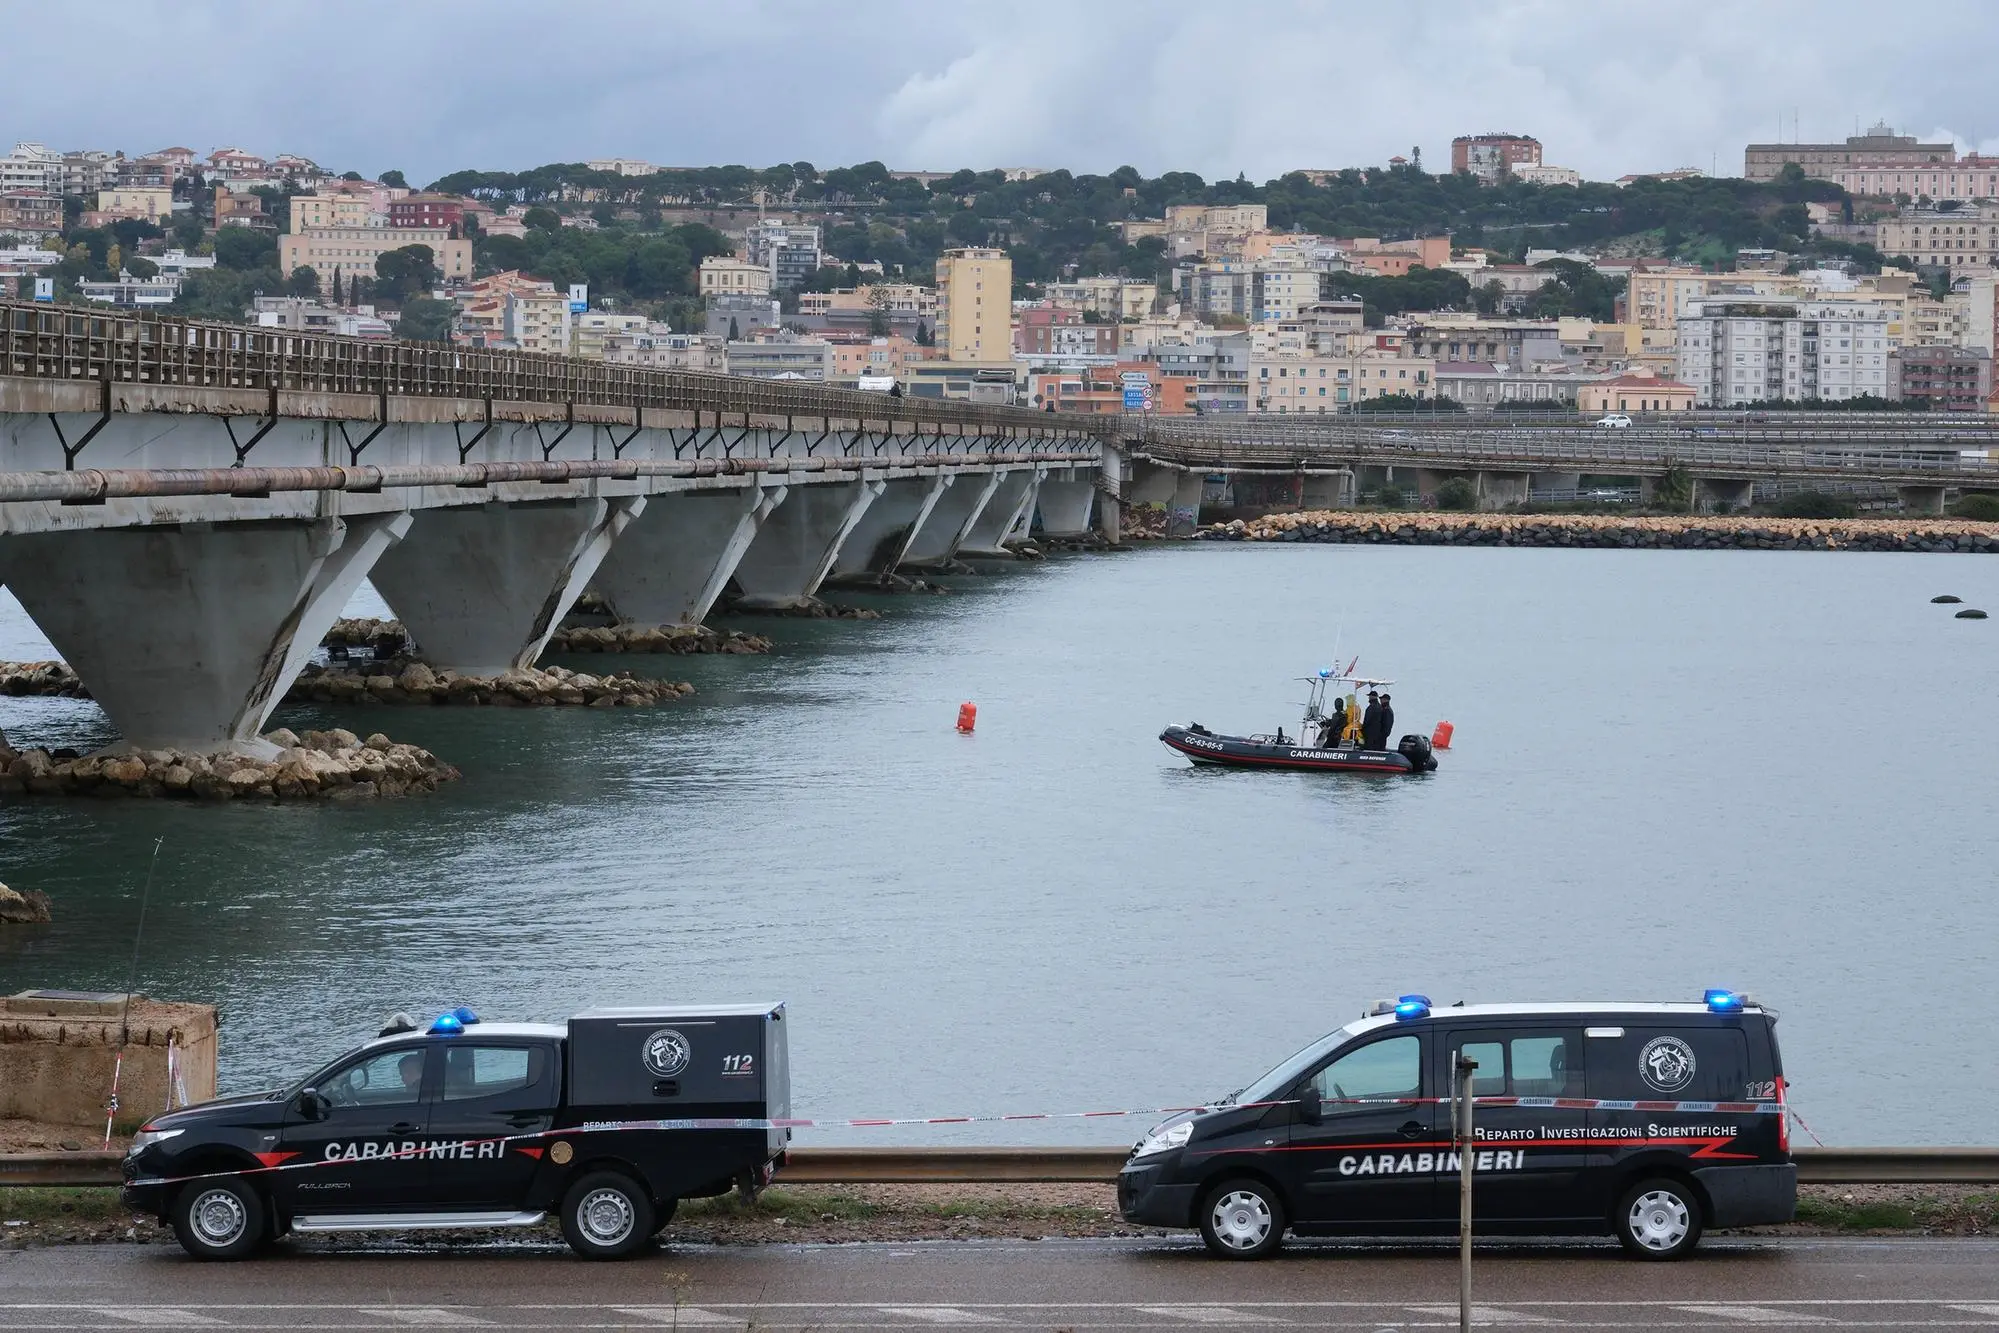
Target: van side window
(1379, 1071)
(1525, 1064)
(1670, 1064)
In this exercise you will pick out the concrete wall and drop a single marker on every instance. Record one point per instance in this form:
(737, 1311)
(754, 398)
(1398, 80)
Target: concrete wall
(57, 1057)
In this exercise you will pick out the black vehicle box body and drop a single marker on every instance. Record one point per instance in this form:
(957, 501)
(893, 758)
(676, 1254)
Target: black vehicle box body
(631, 1066)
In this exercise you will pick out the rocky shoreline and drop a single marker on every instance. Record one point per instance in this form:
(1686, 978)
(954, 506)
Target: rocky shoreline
(388, 640)
(1615, 532)
(330, 765)
(402, 681)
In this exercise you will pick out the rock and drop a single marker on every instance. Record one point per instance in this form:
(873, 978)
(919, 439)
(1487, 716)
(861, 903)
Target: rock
(377, 741)
(125, 771)
(416, 678)
(242, 781)
(17, 908)
(177, 777)
(284, 738)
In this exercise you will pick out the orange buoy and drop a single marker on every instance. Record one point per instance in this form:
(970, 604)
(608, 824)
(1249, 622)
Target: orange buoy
(1441, 738)
(968, 717)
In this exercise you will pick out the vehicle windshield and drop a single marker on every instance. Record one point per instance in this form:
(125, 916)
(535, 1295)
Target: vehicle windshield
(1287, 1072)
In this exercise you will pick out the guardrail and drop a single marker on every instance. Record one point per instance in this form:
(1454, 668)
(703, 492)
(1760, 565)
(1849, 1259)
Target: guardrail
(64, 343)
(1087, 1165)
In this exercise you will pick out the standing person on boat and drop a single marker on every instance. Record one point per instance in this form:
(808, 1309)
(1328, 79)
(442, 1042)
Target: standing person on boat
(1335, 726)
(1387, 724)
(1351, 735)
(1370, 723)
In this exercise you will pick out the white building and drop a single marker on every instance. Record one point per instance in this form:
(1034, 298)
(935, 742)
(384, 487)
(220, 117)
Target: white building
(32, 166)
(130, 291)
(1734, 351)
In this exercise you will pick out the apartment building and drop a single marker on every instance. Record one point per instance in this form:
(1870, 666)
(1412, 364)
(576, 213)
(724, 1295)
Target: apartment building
(1520, 343)
(30, 213)
(1491, 157)
(1482, 386)
(86, 172)
(787, 357)
(1229, 219)
(535, 318)
(1879, 147)
(427, 210)
(1964, 240)
(1107, 297)
(897, 300)
(726, 275)
(152, 205)
(352, 251)
(1735, 352)
(789, 251)
(31, 166)
(594, 333)
(1279, 289)
(344, 208)
(975, 305)
(1941, 379)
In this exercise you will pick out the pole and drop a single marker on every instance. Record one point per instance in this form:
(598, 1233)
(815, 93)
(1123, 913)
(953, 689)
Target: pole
(1462, 1106)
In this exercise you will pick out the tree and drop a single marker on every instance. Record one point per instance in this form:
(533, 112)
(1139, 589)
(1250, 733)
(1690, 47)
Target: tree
(401, 275)
(426, 319)
(542, 219)
(1487, 299)
(350, 176)
(142, 268)
(394, 180)
(245, 248)
(878, 325)
(336, 286)
(735, 332)
(924, 336)
(304, 281)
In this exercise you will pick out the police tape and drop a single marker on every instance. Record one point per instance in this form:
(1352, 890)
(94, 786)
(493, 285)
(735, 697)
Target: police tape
(460, 1149)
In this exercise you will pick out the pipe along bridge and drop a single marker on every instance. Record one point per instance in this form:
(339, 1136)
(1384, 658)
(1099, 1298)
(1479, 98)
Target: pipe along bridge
(186, 507)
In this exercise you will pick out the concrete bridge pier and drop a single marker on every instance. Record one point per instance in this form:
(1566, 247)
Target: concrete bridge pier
(1496, 490)
(938, 540)
(189, 635)
(797, 545)
(1064, 504)
(1326, 490)
(480, 588)
(882, 538)
(673, 560)
(1715, 493)
(1012, 497)
(1921, 499)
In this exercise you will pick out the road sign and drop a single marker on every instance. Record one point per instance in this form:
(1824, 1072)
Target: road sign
(579, 297)
(1136, 399)
(1131, 377)
(45, 289)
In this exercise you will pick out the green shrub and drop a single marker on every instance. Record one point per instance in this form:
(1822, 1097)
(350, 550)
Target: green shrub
(1390, 497)
(1457, 493)
(1981, 506)
(1814, 504)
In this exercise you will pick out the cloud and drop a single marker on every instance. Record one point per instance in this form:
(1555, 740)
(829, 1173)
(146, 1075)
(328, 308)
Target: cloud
(1256, 86)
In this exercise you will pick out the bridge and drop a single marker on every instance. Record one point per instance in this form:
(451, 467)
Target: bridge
(186, 507)
(1507, 457)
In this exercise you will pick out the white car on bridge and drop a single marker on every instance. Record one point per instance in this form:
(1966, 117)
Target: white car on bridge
(1615, 421)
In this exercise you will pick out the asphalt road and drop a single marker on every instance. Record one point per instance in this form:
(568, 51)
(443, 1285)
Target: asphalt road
(1150, 1284)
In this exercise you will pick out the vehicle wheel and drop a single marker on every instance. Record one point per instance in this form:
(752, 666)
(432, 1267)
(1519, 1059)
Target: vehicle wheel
(223, 1218)
(1243, 1219)
(606, 1215)
(664, 1214)
(1659, 1219)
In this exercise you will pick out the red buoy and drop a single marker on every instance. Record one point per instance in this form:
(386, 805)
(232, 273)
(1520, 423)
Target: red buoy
(968, 717)
(1441, 738)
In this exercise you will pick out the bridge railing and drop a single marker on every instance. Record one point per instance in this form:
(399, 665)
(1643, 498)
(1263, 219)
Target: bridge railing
(64, 343)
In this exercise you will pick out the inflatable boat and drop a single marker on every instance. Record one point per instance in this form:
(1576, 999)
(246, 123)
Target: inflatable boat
(1412, 754)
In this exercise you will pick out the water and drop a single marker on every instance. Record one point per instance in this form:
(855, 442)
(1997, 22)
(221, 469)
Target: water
(1674, 769)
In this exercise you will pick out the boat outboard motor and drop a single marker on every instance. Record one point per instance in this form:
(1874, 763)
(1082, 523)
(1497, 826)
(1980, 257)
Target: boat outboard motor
(1416, 749)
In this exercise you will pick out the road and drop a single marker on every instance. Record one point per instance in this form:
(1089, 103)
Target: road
(1103, 1284)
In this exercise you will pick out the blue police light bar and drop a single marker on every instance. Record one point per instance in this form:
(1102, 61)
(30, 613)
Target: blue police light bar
(464, 1015)
(447, 1025)
(1411, 1007)
(1722, 1001)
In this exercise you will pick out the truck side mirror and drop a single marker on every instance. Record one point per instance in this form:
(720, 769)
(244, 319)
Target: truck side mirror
(1310, 1109)
(313, 1105)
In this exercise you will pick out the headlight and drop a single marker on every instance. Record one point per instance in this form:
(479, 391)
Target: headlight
(1163, 1140)
(146, 1138)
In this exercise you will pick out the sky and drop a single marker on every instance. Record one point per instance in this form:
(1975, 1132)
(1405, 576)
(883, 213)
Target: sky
(1217, 87)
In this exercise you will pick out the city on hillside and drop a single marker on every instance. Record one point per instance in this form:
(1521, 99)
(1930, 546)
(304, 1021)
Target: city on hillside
(1849, 274)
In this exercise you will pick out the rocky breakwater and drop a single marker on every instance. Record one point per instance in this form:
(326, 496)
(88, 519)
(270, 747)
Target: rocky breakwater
(387, 639)
(404, 682)
(49, 680)
(325, 765)
(1683, 532)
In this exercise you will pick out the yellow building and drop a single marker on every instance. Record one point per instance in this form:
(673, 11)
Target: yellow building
(154, 205)
(1635, 393)
(975, 305)
(537, 319)
(315, 211)
(594, 333)
(725, 275)
(352, 251)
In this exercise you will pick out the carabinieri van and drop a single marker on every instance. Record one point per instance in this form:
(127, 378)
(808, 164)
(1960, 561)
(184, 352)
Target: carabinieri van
(1651, 1122)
